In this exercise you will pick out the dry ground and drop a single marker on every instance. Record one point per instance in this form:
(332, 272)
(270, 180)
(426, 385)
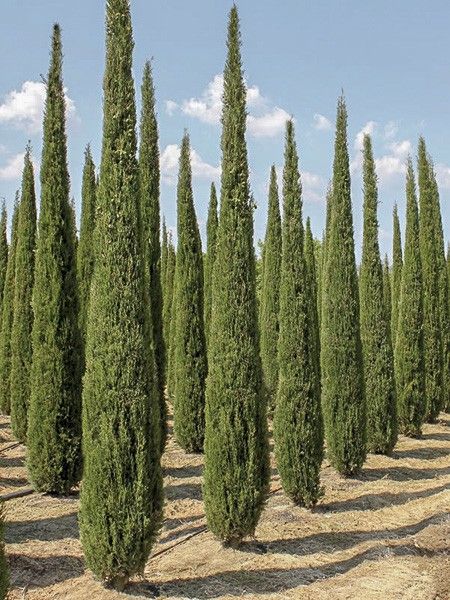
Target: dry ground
(384, 535)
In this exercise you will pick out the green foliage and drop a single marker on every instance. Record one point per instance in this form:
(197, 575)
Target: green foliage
(409, 348)
(168, 301)
(3, 253)
(298, 427)
(211, 237)
(190, 366)
(121, 496)
(387, 291)
(7, 317)
(375, 331)
(312, 252)
(397, 265)
(4, 572)
(270, 293)
(21, 348)
(430, 273)
(85, 250)
(341, 353)
(236, 441)
(54, 415)
(149, 185)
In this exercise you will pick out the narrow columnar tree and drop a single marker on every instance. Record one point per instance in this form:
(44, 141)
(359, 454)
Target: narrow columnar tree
(430, 271)
(270, 293)
(149, 178)
(409, 348)
(376, 342)
(168, 298)
(211, 236)
(54, 415)
(3, 253)
(397, 264)
(85, 251)
(21, 348)
(387, 291)
(4, 572)
(325, 236)
(236, 440)
(341, 352)
(311, 253)
(121, 493)
(190, 366)
(7, 317)
(298, 427)
(163, 261)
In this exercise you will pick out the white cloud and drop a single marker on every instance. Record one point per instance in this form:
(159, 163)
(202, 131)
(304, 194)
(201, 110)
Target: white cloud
(25, 108)
(322, 123)
(268, 125)
(390, 130)
(394, 163)
(443, 176)
(171, 107)
(13, 168)
(313, 187)
(169, 165)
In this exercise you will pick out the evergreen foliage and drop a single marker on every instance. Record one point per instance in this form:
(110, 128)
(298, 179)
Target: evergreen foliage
(3, 253)
(376, 342)
(164, 248)
(21, 348)
(121, 496)
(168, 300)
(190, 366)
(236, 440)
(312, 250)
(270, 293)
(211, 237)
(397, 265)
(341, 352)
(54, 415)
(298, 428)
(387, 292)
(409, 348)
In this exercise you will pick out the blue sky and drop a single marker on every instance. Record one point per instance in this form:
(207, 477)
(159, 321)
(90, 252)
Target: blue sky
(391, 58)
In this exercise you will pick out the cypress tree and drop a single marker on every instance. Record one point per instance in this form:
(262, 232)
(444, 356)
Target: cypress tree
(121, 493)
(298, 428)
(168, 299)
(54, 415)
(236, 440)
(149, 178)
(21, 348)
(189, 353)
(311, 262)
(270, 293)
(430, 273)
(7, 317)
(341, 352)
(85, 252)
(387, 293)
(376, 342)
(163, 263)
(3, 253)
(329, 202)
(409, 348)
(4, 573)
(211, 236)
(397, 264)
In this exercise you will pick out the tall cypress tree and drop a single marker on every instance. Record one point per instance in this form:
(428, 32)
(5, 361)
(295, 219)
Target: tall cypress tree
(236, 442)
(164, 249)
(387, 292)
(298, 427)
(85, 251)
(270, 294)
(121, 493)
(325, 236)
(409, 348)
(54, 415)
(168, 299)
(21, 349)
(310, 259)
(211, 237)
(430, 270)
(4, 572)
(3, 253)
(190, 367)
(7, 317)
(341, 352)
(149, 177)
(376, 342)
(397, 264)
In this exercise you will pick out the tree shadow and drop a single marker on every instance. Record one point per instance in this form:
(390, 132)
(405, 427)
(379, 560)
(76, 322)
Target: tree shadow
(9, 462)
(173, 523)
(422, 453)
(184, 472)
(43, 571)
(378, 501)
(445, 437)
(185, 490)
(176, 535)
(402, 473)
(44, 530)
(13, 482)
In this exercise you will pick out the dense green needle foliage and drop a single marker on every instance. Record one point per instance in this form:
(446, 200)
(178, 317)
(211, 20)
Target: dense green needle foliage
(121, 495)
(375, 331)
(54, 415)
(164, 248)
(4, 572)
(7, 317)
(341, 352)
(3, 253)
(236, 441)
(397, 265)
(85, 250)
(21, 348)
(387, 292)
(298, 428)
(270, 293)
(211, 237)
(312, 255)
(409, 348)
(149, 177)
(190, 366)
(168, 300)
(430, 272)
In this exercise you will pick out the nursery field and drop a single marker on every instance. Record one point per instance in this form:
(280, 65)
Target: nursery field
(383, 535)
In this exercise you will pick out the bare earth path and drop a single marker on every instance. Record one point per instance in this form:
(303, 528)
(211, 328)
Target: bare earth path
(384, 535)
